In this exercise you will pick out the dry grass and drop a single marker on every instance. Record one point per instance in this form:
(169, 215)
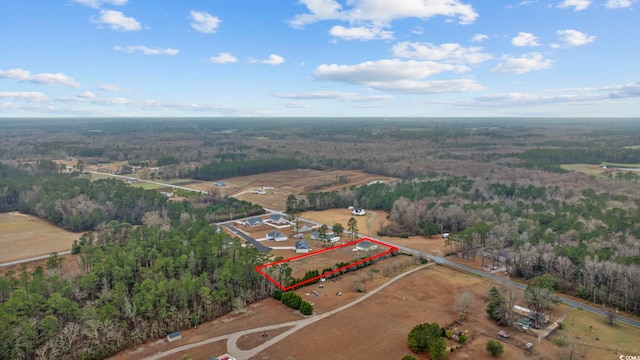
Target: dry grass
(592, 337)
(24, 236)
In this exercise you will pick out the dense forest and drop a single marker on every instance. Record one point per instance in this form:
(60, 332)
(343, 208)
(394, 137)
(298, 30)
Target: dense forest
(502, 188)
(149, 266)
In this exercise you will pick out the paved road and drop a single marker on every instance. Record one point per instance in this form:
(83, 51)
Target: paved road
(35, 258)
(437, 259)
(572, 303)
(232, 339)
(256, 244)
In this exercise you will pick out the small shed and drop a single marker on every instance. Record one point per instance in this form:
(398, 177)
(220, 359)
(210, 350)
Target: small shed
(174, 336)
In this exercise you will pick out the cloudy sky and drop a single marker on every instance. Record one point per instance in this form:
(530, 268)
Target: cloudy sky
(319, 58)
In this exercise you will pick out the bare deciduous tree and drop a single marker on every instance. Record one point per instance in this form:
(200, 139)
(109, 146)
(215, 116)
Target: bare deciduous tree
(464, 303)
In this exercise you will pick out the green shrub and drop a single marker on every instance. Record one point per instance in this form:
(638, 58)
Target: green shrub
(560, 341)
(494, 347)
(306, 308)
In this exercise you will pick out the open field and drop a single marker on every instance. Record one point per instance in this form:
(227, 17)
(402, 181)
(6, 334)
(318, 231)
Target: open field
(425, 296)
(323, 259)
(24, 236)
(279, 185)
(591, 337)
(588, 169)
(388, 316)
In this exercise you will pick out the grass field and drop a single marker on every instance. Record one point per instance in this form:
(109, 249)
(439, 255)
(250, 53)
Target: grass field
(24, 236)
(591, 337)
(633, 147)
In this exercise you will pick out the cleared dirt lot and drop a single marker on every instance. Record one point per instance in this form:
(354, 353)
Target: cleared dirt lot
(279, 185)
(378, 327)
(24, 236)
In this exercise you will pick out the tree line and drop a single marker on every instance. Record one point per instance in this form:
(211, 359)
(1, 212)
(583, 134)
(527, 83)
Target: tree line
(136, 284)
(587, 240)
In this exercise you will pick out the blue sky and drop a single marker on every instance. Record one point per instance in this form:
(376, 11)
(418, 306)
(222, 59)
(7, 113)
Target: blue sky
(319, 58)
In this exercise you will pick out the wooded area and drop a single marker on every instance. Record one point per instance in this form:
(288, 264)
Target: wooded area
(495, 185)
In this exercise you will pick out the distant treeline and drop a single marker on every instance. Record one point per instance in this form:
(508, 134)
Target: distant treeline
(217, 171)
(581, 155)
(75, 203)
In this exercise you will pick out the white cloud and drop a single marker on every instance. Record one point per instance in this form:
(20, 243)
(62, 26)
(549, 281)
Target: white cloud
(617, 4)
(525, 39)
(577, 5)
(418, 30)
(382, 12)
(575, 37)
(30, 96)
(204, 22)
(117, 21)
(397, 76)
(98, 3)
(43, 78)
(296, 105)
(146, 50)
(86, 95)
(479, 37)
(428, 87)
(109, 87)
(560, 96)
(272, 60)
(113, 101)
(333, 95)
(360, 33)
(523, 64)
(450, 52)
(223, 58)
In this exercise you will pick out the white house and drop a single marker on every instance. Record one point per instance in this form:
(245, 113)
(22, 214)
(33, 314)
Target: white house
(253, 222)
(258, 192)
(277, 219)
(302, 247)
(276, 236)
(366, 246)
(357, 211)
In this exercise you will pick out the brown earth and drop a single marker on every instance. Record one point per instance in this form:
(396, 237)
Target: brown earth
(378, 327)
(279, 185)
(24, 236)
(258, 314)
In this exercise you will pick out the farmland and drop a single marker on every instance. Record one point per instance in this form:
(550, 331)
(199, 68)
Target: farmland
(24, 236)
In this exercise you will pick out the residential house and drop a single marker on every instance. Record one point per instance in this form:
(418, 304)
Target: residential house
(305, 228)
(357, 211)
(366, 245)
(302, 247)
(277, 219)
(276, 236)
(253, 222)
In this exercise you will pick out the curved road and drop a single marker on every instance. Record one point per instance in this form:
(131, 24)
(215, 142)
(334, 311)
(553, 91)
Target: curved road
(442, 261)
(232, 339)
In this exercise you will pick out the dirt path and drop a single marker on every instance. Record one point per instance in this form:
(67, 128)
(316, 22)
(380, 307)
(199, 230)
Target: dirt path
(232, 339)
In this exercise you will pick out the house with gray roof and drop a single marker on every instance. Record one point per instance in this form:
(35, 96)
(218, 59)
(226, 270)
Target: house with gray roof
(276, 236)
(302, 247)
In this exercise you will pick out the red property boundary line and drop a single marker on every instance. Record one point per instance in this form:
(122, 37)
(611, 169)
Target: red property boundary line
(351, 243)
